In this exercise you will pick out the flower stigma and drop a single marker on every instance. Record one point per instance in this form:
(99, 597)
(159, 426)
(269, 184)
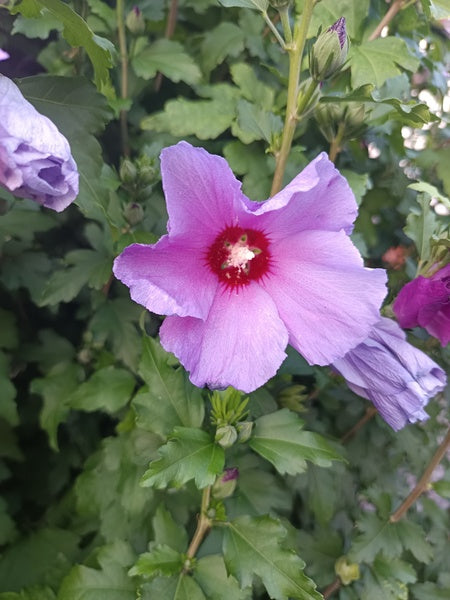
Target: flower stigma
(238, 256)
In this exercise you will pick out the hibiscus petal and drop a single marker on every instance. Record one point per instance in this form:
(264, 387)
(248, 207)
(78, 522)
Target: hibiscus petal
(202, 193)
(168, 278)
(318, 198)
(241, 343)
(324, 295)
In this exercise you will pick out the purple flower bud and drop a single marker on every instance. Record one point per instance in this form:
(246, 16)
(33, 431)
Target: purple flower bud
(226, 484)
(135, 21)
(340, 28)
(425, 301)
(230, 474)
(35, 158)
(398, 378)
(329, 52)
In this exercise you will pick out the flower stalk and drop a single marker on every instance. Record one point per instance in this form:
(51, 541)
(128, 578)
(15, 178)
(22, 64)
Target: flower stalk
(120, 11)
(295, 50)
(203, 526)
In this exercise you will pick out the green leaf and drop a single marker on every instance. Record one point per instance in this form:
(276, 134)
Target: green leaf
(251, 87)
(77, 33)
(36, 592)
(55, 389)
(8, 531)
(280, 439)
(430, 190)
(412, 537)
(161, 560)
(110, 582)
(253, 546)
(36, 28)
(8, 408)
(168, 399)
(328, 12)
(166, 530)
(429, 591)
(206, 119)
(167, 57)
(210, 573)
(387, 580)
(109, 389)
(420, 226)
(42, 558)
(227, 39)
(261, 5)
(183, 587)
(255, 123)
(189, 454)
(379, 60)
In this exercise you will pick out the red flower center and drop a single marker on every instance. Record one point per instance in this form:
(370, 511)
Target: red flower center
(238, 256)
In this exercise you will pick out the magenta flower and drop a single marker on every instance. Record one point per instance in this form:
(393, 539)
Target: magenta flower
(240, 279)
(425, 301)
(398, 378)
(35, 158)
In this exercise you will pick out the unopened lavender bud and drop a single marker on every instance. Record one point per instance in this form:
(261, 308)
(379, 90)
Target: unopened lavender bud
(135, 21)
(329, 52)
(226, 436)
(226, 484)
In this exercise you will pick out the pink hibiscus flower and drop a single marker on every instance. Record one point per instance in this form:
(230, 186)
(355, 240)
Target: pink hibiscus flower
(239, 280)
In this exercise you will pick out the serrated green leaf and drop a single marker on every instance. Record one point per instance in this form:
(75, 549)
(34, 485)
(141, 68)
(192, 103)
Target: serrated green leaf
(420, 226)
(189, 454)
(168, 399)
(388, 579)
(261, 5)
(412, 537)
(183, 587)
(77, 33)
(37, 28)
(376, 535)
(255, 123)
(227, 39)
(430, 591)
(109, 389)
(210, 573)
(251, 87)
(55, 389)
(42, 558)
(280, 439)
(206, 119)
(161, 560)
(378, 60)
(167, 57)
(35, 592)
(328, 12)
(166, 530)
(254, 546)
(430, 190)
(110, 582)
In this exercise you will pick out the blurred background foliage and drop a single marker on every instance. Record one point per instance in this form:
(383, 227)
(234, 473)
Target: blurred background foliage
(87, 396)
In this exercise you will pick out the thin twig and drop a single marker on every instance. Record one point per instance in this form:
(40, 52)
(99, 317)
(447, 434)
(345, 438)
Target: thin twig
(333, 587)
(336, 142)
(203, 526)
(422, 484)
(369, 414)
(123, 75)
(170, 30)
(393, 10)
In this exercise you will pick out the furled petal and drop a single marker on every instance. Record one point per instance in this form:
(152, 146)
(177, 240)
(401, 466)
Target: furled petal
(35, 158)
(318, 198)
(398, 378)
(241, 343)
(324, 295)
(168, 278)
(200, 188)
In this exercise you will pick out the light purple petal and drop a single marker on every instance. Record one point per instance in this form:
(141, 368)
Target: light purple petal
(318, 198)
(3, 55)
(324, 295)
(398, 378)
(35, 158)
(168, 278)
(241, 343)
(201, 191)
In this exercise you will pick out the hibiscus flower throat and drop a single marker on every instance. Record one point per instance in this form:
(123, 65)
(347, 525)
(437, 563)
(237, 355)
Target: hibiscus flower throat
(238, 256)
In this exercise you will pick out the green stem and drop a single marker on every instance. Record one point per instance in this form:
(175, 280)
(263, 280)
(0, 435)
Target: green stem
(336, 142)
(284, 17)
(203, 526)
(304, 100)
(273, 29)
(295, 50)
(120, 10)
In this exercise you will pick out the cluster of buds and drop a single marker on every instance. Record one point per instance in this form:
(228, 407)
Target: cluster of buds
(348, 120)
(137, 179)
(229, 416)
(329, 52)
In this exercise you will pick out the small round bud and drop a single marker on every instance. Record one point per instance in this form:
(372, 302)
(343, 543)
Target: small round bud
(128, 171)
(133, 213)
(244, 429)
(329, 51)
(135, 21)
(226, 435)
